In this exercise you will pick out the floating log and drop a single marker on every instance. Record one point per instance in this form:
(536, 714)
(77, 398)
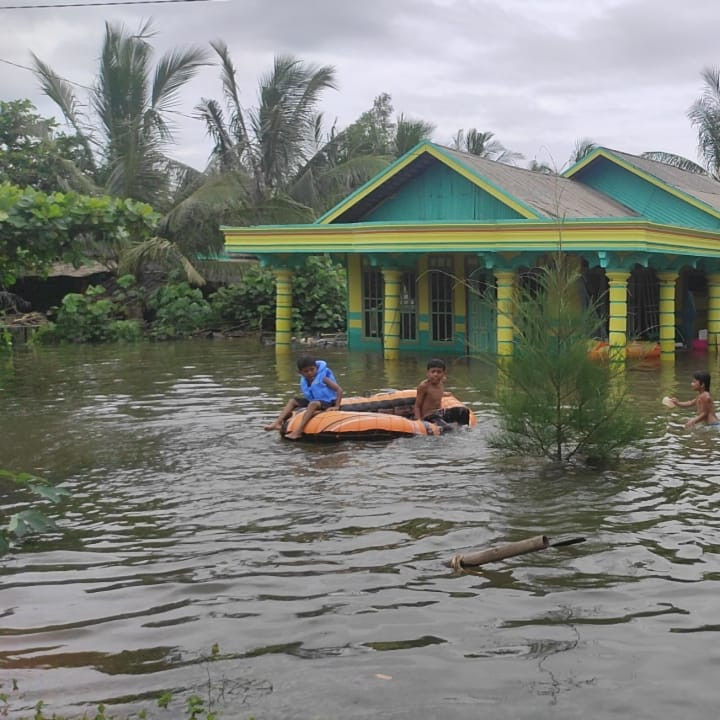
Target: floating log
(539, 542)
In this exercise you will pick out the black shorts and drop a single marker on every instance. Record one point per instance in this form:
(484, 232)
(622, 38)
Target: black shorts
(304, 402)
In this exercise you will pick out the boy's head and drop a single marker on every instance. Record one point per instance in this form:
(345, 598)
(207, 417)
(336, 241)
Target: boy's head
(703, 378)
(435, 371)
(306, 367)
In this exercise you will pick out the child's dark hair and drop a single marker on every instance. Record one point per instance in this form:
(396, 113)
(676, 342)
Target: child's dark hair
(703, 378)
(305, 361)
(436, 363)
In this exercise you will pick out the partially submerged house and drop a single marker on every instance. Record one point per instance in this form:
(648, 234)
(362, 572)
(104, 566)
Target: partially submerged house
(425, 238)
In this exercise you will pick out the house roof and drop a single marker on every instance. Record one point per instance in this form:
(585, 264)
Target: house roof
(551, 196)
(533, 195)
(696, 185)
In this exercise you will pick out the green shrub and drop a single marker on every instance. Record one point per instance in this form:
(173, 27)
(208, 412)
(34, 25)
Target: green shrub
(178, 311)
(249, 304)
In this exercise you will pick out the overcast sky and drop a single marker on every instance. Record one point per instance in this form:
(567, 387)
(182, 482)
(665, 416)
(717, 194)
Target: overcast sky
(540, 74)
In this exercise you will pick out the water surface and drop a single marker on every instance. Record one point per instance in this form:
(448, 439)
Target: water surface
(318, 569)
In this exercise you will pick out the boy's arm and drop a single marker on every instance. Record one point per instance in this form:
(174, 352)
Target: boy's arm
(419, 399)
(334, 386)
(683, 403)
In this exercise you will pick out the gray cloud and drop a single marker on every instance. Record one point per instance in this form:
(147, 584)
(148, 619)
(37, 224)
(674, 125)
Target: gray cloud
(539, 75)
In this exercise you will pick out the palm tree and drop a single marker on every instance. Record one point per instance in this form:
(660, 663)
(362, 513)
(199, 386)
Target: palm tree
(704, 115)
(129, 129)
(483, 145)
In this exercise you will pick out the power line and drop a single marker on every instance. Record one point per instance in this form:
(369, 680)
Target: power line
(25, 67)
(99, 4)
(86, 87)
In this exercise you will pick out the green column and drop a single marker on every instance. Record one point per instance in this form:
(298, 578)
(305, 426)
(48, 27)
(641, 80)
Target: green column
(713, 286)
(505, 284)
(283, 311)
(391, 314)
(617, 282)
(667, 314)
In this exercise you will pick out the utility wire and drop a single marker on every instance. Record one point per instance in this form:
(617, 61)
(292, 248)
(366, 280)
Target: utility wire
(86, 87)
(99, 4)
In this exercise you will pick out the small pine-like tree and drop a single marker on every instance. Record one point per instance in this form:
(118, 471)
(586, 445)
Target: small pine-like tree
(554, 400)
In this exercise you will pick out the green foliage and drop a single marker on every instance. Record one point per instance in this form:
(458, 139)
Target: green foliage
(178, 310)
(32, 520)
(319, 296)
(249, 304)
(33, 155)
(95, 317)
(37, 229)
(554, 400)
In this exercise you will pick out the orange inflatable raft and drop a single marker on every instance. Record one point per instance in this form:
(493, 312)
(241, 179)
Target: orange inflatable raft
(381, 416)
(635, 349)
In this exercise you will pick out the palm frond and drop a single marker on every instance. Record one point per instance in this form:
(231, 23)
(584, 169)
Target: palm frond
(158, 251)
(172, 72)
(677, 161)
(61, 93)
(232, 95)
(704, 114)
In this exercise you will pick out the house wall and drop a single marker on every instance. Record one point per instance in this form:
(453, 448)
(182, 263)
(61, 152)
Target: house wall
(437, 194)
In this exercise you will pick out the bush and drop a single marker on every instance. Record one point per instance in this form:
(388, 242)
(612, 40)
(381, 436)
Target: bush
(96, 317)
(250, 304)
(178, 310)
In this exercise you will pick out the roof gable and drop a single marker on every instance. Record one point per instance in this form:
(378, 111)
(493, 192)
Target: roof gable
(432, 182)
(398, 183)
(661, 193)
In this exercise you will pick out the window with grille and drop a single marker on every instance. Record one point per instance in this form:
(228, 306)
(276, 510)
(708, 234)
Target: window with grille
(441, 294)
(408, 309)
(373, 291)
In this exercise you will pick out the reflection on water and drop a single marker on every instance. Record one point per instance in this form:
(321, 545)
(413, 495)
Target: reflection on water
(318, 569)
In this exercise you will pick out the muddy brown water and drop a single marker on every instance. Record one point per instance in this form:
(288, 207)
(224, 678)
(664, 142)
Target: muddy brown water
(318, 569)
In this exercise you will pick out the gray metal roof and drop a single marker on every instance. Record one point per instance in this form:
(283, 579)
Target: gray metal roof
(551, 196)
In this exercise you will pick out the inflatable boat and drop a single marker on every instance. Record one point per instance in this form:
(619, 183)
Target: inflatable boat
(381, 416)
(635, 349)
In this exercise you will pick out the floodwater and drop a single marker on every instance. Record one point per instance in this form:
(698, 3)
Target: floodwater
(318, 570)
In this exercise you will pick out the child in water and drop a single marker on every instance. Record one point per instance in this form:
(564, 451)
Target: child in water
(320, 392)
(428, 399)
(703, 402)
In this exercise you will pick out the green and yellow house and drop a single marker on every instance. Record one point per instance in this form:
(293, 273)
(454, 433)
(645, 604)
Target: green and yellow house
(426, 237)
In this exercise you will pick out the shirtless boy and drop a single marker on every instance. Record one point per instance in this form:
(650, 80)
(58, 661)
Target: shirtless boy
(428, 400)
(703, 402)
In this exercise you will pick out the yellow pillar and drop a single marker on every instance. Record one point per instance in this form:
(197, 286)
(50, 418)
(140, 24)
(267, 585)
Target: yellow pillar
(391, 314)
(713, 286)
(505, 284)
(667, 314)
(283, 311)
(617, 282)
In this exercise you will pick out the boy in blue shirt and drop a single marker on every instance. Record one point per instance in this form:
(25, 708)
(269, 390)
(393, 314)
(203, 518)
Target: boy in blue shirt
(320, 392)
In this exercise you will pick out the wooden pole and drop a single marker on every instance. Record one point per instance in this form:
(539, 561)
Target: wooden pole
(539, 542)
